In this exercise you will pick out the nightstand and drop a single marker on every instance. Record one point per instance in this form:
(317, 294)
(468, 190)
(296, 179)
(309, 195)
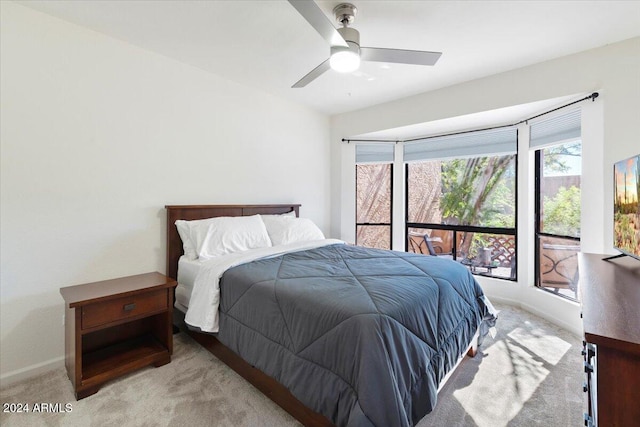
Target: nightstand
(116, 326)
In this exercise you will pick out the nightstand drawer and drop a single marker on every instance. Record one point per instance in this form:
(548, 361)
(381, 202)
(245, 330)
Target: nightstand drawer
(101, 313)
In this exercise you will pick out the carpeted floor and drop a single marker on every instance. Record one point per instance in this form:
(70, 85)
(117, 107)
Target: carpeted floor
(529, 374)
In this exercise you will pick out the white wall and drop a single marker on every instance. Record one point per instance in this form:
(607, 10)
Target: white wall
(96, 137)
(609, 134)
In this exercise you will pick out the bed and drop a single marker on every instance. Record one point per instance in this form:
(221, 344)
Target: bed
(336, 334)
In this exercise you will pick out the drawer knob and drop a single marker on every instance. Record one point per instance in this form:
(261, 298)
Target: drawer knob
(129, 307)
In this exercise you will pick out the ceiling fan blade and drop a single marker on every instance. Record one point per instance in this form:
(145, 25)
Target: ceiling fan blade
(314, 74)
(399, 56)
(318, 20)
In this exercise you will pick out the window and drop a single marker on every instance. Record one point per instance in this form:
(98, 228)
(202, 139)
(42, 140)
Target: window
(464, 206)
(558, 173)
(374, 195)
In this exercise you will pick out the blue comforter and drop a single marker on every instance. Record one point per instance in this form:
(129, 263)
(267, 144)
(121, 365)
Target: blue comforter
(363, 336)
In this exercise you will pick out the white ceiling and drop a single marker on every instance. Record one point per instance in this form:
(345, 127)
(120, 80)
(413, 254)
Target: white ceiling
(268, 45)
(482, 120)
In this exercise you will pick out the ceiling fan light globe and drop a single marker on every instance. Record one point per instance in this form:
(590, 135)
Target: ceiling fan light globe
(345, 61)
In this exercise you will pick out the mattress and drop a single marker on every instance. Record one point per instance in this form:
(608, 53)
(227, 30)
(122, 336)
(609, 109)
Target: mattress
(187, 271)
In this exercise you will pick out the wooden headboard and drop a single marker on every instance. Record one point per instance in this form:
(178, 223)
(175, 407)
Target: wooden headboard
(192, 212)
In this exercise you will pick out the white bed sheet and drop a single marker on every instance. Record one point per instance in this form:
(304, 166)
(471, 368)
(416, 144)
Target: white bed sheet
(187, 271)
(205, 296)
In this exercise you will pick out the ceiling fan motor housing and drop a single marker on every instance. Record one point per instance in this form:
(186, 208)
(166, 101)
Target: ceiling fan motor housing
(346, 59)
(352, 37)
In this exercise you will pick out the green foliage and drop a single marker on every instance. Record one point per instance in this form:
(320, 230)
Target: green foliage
(562, 212)
(479, 191)
(455, 191)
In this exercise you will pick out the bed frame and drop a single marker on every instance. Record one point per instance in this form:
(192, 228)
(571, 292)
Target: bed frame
(267, 385)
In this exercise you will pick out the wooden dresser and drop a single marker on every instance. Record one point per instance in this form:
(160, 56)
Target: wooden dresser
(116, 326)
(610, 295)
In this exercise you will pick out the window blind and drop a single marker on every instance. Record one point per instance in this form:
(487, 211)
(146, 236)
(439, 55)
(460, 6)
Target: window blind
(374, 153)
(503, 141)
(556, 129)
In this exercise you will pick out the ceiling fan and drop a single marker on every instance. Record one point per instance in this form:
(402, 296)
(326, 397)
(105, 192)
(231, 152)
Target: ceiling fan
(346, 52)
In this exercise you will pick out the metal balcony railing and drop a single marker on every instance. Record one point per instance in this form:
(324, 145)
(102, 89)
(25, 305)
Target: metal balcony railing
(486, 251)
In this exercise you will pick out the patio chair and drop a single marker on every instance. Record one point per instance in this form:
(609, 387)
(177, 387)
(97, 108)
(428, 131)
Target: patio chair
(559, 267)
(417, 243)
(440, 242)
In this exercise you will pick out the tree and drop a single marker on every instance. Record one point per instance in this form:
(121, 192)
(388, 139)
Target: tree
(562, 212)
(475, 192)
(554, 157)
(373, 204)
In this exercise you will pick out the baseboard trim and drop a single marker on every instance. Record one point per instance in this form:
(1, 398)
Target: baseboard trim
(552, 319)
(538, 312)
(17, 375)
(506, 301)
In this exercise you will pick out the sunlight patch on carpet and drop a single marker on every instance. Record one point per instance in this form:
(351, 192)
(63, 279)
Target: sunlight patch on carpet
(549, 348)
(509, 376)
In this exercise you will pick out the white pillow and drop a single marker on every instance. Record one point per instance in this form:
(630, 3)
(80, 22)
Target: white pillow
(185, 231)
(284, 229)
(233, 234)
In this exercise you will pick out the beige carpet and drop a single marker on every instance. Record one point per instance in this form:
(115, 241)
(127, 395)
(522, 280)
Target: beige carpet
(529, 374)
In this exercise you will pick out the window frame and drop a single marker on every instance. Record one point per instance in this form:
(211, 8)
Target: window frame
(465, 228)
(374, 224)
(537, 278)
